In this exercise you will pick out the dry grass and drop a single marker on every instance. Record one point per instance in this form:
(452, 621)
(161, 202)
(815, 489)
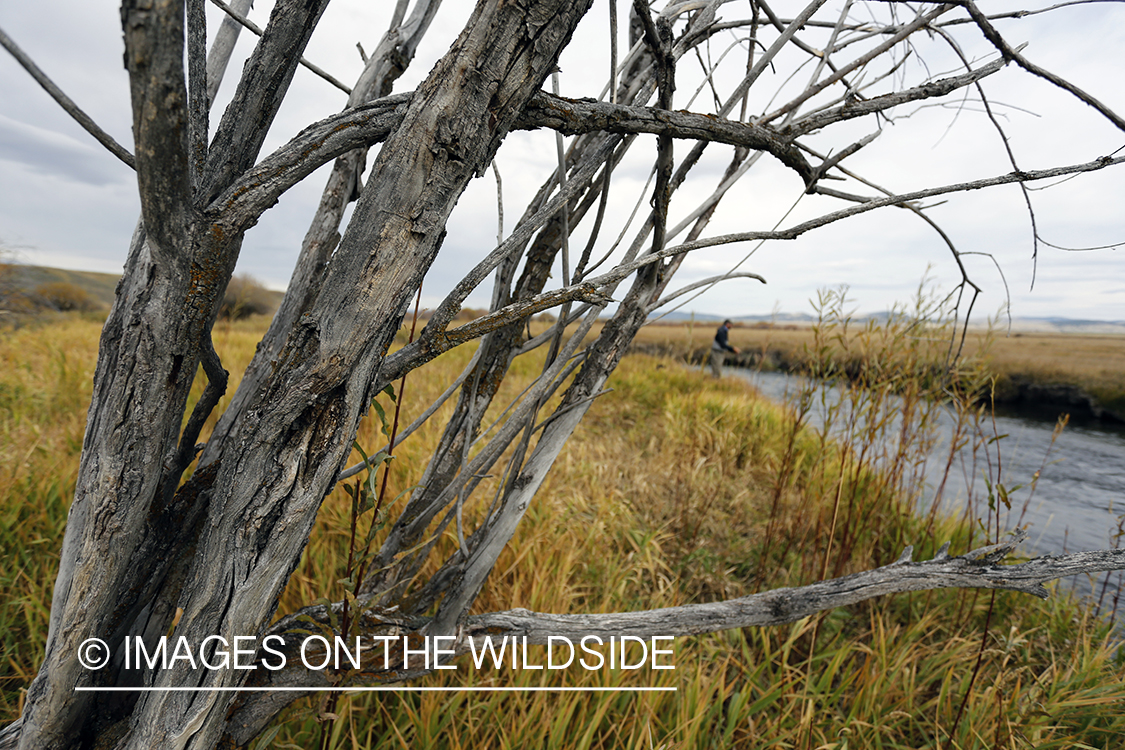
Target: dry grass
(46, 376)
(675, 489)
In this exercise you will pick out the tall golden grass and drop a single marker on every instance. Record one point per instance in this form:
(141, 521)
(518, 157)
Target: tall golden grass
(675, 489)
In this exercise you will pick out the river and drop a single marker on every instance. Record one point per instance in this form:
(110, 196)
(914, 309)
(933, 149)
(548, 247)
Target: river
(1077, 502)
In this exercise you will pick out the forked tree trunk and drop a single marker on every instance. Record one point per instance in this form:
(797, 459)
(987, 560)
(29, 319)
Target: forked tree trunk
(222, 547)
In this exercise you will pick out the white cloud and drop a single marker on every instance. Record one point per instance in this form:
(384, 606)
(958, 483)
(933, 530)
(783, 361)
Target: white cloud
(55, 153)
(61, 194)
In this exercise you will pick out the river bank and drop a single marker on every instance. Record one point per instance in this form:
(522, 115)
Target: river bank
(1082, 375)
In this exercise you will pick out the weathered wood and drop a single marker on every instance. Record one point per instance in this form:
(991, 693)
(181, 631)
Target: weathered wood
(221, 546)
(124, 534)
(303, 418)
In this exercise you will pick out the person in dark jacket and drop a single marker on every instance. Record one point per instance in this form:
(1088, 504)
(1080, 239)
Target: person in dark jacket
(719, 348)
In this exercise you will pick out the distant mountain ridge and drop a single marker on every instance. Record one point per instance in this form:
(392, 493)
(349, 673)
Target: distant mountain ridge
(682, 317)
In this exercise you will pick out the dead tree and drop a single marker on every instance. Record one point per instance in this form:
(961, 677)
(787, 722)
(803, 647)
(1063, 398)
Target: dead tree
(142, 544)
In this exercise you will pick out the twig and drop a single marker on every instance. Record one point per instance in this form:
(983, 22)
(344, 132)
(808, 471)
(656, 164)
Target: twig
(253, 27)
(499, 203)
(702, 283)
(216, 386)
(1009, 53)
(422, 418)
(919, 22)
(66, 102)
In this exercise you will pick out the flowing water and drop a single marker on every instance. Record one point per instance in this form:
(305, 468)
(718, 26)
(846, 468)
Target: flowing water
(1076, 504)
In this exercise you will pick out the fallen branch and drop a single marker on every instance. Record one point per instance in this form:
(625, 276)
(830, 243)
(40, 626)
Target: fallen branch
(980, 568)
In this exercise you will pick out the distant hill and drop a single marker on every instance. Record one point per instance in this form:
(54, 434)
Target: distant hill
(100, 286)
(1067, 325)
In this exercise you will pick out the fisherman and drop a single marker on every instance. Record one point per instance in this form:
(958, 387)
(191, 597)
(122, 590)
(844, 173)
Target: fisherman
(719, 348)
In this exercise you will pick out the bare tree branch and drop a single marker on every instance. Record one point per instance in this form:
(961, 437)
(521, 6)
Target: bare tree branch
(386, 63)
(154, 49)
(710, 281)
(368, 124)
(262, 88)
(241, 18)
(66, 102)
(1010, 53)
(895, 200)
(416, 355)
(922, 20)
(217, 378)
(853, 108)
(578, 182)
(223, 47)
(980, 568)
(420, 420)
(199, 104)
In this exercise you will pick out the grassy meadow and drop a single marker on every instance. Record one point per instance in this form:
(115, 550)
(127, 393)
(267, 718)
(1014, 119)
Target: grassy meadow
(675, 489)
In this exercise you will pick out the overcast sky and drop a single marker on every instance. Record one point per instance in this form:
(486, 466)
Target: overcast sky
(66, 202)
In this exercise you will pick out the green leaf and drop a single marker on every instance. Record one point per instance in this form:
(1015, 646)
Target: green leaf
(1003, 492)
(382, 417)
(362, 452)
(266, 738)
(368, 502)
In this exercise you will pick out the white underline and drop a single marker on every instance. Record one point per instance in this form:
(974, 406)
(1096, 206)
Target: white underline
(386, 689)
